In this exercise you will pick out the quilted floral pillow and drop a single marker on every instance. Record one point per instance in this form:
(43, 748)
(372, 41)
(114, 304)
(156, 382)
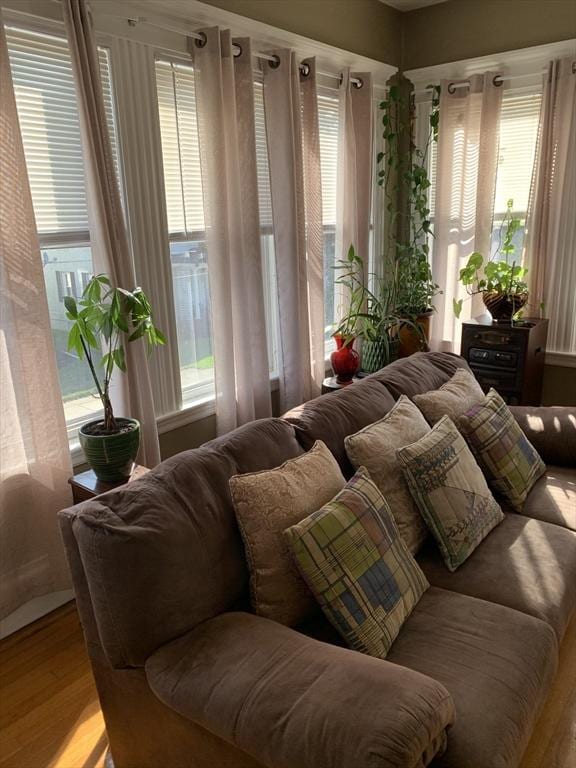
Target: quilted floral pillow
(266, 503)
(509, 460)
(357, 565)
(452, 399)
(450, 490)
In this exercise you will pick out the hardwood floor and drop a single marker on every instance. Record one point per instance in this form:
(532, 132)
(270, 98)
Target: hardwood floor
(50, 718)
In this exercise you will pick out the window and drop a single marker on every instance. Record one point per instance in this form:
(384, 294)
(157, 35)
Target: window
(328, 127)
(184, 203)
(516, 152)
(517, 148)
(49, 122)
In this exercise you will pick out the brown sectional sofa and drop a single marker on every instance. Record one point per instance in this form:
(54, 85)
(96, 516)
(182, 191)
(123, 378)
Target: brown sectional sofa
(188, 677)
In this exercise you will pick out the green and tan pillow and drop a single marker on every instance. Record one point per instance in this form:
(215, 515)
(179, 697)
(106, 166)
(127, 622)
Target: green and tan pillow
(355, 562)
(450, 490)
(375, 446)
(268, 502)
(452, 399)
(509, 460)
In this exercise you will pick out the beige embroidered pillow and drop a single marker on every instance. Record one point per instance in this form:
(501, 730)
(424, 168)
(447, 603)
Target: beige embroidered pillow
(267, 503)
(451, 399)
(375, 446)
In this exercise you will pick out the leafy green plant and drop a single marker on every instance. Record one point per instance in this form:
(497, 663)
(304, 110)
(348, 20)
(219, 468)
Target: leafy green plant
(498, 275)
(106, 319)
(404, 178)
(371, 315)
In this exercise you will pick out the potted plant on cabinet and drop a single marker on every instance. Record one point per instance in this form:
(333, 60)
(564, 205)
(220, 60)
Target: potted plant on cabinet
(501, 283)
(403, 176)
(103, 321)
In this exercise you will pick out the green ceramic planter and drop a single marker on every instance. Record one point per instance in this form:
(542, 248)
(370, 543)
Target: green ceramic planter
(111, 457)
(377, 354)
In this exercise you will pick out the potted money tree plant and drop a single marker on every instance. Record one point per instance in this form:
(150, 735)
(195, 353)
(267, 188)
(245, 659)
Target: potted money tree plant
(104, 320)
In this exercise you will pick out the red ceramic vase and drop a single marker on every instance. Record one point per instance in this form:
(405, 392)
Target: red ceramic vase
(345, 360)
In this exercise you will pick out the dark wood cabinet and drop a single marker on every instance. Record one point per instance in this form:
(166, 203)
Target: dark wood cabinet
(86, 485)
(508, 357)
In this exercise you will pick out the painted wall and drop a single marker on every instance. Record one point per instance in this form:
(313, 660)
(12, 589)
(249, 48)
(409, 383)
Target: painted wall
(463, 29)
(559, 386)
(366, 27)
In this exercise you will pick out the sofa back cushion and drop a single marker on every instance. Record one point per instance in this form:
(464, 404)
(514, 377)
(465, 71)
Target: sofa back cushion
(419, 373)
(332, 417)
(164, 553)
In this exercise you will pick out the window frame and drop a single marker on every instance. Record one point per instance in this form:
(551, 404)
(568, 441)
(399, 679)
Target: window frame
(163, 43)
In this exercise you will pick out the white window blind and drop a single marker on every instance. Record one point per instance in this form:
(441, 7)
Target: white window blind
(49, 123)
(517, 146)
(518, 136)
(328, 126)
(180, 148)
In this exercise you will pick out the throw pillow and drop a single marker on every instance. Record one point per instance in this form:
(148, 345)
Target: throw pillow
(375, 446)
(268, 502)
(509, 460)
(452, 399)
(357, 565)
(450, 490)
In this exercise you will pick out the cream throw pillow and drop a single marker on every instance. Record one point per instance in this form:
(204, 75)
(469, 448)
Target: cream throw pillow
(267, 503)
(451, 399)
(375, 446)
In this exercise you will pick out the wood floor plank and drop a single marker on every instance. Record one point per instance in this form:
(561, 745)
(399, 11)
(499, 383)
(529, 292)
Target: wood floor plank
(51, 718)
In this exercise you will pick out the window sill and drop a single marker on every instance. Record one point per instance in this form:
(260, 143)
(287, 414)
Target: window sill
(194, 411)
(561, 359)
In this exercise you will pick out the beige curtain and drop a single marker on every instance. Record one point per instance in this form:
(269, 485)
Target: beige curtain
(551, 224)
(34, 455)
(355, 163)
(109, 240)
(465, 186)
(314, 228)
(295, 181)
(225, 107)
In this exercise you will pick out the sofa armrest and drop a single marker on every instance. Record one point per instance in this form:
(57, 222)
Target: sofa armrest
(294, 702)
(551, 430)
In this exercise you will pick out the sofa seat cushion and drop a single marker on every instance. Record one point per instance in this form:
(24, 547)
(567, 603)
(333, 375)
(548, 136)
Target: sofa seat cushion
(332, 417)
(497, 664)
(293, 702)
(419, 373)
(553, 498)
(523, 563)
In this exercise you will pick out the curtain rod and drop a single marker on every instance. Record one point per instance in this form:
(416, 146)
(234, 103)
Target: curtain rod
(497, 80)
(133, 21)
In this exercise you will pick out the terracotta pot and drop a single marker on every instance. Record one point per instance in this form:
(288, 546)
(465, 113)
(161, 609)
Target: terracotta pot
(503, 306)
(345, 360)
(410, 340)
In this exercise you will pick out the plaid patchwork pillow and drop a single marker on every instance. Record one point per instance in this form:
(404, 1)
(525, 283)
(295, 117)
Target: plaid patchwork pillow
(510, 462)
(450, 490)
(358, 567)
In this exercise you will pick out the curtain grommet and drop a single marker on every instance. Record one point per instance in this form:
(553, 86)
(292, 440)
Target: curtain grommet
(498, 81)
(358, 83)
(275, 62)
(201, 41)
(451, 88)
(305, 69)
(237, 50)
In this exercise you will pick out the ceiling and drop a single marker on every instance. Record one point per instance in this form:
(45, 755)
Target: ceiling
(410, 5)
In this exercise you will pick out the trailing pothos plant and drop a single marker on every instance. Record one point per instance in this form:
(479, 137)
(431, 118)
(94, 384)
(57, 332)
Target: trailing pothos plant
(403, 175)
(104, 320)
(500, 276)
